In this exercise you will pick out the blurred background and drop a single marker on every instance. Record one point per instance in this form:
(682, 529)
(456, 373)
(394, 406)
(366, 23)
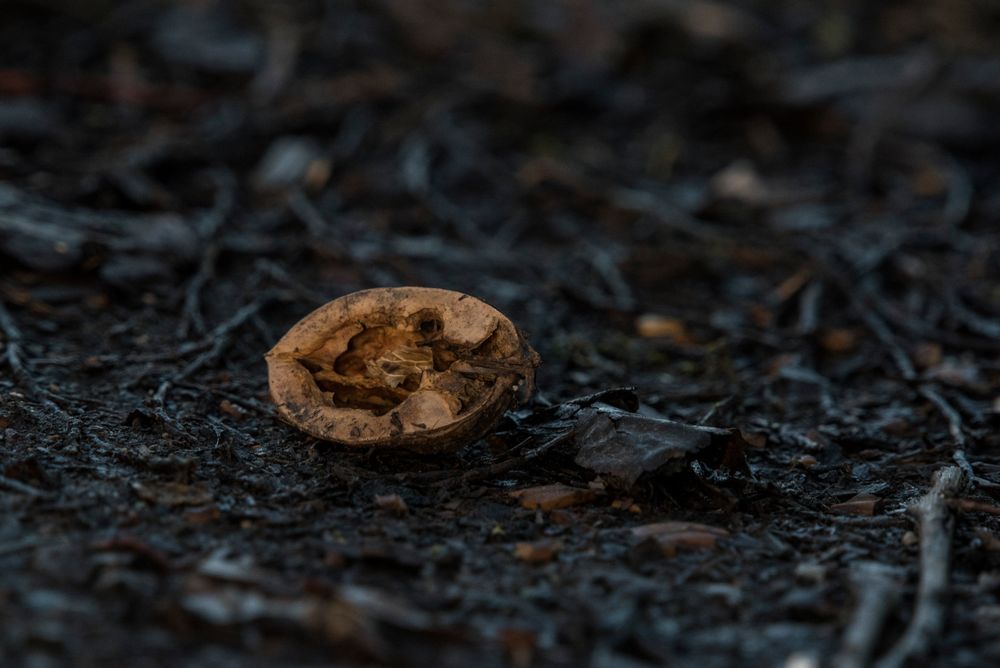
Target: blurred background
(773, 214)
(580, 163)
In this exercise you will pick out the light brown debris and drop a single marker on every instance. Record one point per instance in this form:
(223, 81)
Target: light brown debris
(392, 503)
(672, 536)
(538, 552)
(859, 504)
(550, 497)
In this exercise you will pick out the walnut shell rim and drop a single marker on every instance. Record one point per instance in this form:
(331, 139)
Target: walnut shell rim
(461, 394)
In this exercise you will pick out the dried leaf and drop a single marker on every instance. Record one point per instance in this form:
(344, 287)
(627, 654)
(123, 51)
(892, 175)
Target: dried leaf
(419, 368)
(625, 445)
(550, 497)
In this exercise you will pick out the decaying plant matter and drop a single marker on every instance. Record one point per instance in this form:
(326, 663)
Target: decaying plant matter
(419, 368)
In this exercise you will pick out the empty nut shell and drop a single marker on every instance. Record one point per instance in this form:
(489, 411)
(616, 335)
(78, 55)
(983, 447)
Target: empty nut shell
(419, 368)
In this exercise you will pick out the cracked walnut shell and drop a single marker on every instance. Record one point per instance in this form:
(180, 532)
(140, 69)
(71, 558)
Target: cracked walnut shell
(420, 368)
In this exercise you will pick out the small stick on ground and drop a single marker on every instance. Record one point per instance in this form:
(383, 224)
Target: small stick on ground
(208, 226)
(935, 564)
(949, 413)
(877, 588)
(191, 317)
(13, 352)
(221, 337)
(19, 487)
(957, 430)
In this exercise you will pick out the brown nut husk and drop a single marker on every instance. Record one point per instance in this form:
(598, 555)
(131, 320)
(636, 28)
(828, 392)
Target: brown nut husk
(418, 368)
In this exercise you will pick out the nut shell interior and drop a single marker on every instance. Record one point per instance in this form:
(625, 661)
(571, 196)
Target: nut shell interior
(418, 368)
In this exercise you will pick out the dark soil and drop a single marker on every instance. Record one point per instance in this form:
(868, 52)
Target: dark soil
(779, 219)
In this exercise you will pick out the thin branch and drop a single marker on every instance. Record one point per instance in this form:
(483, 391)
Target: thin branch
(935, 564)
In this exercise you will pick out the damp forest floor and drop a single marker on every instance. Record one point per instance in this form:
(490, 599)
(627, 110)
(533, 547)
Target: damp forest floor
(774, 219)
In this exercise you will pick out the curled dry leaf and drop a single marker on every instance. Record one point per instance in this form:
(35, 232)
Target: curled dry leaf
(419, 368)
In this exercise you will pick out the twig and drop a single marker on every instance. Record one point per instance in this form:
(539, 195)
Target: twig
(949, 413)
(209, 225)
(191, 317)
(858, 296)
(885, 335)
(13, 356)
(450, 479)
(19, 369)
(15, 546)
(220, 338)
(19, 487)
(956, 429)
(877, 588)
(935, 562)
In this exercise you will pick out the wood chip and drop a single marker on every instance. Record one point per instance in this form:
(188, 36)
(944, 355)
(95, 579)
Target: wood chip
(231, 409)
(672, 536)
(550, 497)
(653, 326)
(860, 504)
(755, 439)
(392, 503)
(839, 340)
(538, 552)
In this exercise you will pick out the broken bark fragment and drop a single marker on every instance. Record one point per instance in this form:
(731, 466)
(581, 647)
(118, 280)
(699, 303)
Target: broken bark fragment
(419, 368)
